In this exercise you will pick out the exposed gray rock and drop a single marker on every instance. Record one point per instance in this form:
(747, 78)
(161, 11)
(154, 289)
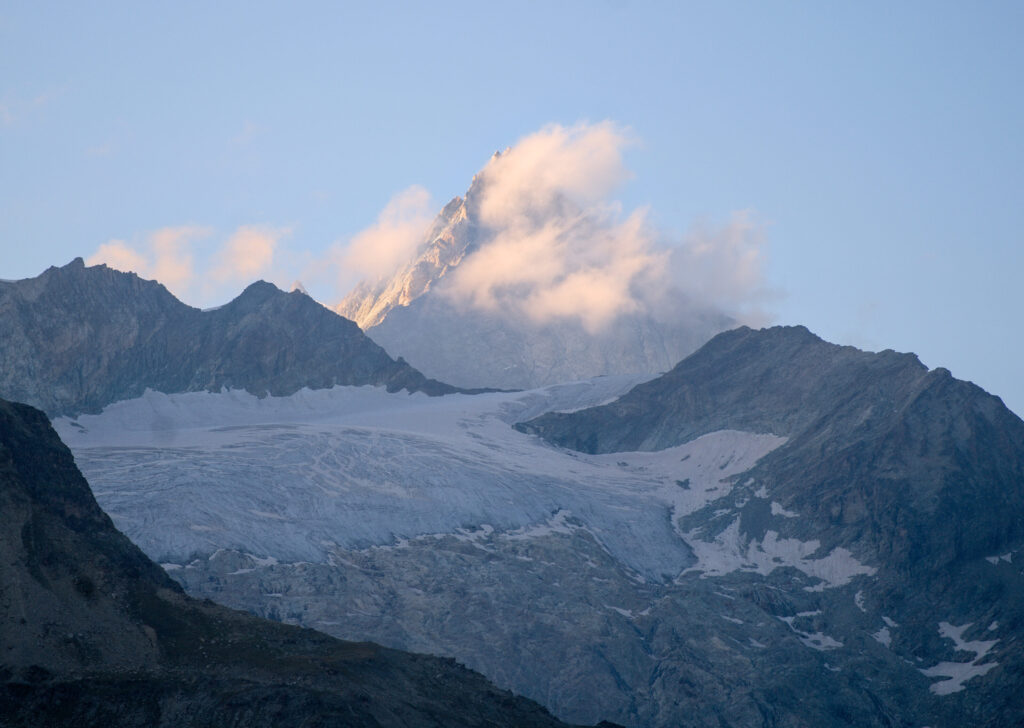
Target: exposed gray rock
(77, 338)
(904, 468)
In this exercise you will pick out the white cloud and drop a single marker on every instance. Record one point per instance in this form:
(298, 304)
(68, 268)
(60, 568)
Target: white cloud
(247, 254)
(579, 165)
(119, 256)
(554, 243)
(166, 256)
(171, 250)
(723, 267)
(401, 226)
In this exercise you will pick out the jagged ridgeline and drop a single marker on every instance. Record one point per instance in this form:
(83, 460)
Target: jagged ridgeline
(95, 634)
(77, 338)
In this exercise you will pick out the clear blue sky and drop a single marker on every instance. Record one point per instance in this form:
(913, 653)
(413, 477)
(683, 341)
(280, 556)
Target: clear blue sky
(882, 144)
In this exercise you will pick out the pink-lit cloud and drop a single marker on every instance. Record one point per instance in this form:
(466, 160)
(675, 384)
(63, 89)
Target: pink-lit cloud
(400, 227)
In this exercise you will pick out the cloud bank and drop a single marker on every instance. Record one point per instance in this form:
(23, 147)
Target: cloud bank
(551, 243)
(555, 245)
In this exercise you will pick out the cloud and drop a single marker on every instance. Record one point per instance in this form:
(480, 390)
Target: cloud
(555, 245)
(17, 110)
(550, 242)
(119, 256)
(401, 226)
(247, 254)
(171, 255)
(723, 267)
(166, 256)
(579, 165)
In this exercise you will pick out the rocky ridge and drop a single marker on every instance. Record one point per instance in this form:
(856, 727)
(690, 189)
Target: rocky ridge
(77, 338)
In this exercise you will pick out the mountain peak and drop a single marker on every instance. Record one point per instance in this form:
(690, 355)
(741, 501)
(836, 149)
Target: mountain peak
(464, 340)
(79, 338)
(773, 380)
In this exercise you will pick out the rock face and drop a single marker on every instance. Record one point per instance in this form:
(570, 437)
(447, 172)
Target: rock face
(410, 315)
(94, 633)
(881, 451)
(779, 532)
(75, 339)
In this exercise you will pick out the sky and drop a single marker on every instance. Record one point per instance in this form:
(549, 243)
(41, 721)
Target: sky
(873, 149)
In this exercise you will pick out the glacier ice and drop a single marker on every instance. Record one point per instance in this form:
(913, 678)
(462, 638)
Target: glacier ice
(295, 478)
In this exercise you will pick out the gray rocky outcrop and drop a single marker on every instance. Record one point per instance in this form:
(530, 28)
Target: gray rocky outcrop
(77, 338)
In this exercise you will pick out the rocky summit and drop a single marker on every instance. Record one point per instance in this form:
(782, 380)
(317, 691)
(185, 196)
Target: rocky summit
(95, 634)
(77, 338)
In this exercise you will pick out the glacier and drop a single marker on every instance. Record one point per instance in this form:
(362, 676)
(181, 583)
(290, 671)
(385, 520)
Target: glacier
(296, 478)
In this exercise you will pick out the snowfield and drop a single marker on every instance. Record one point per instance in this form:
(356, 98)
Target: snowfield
(295, 478)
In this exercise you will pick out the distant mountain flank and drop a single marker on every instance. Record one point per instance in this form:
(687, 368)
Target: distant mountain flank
(410, 315)
(880, 449)
(77, 338)
(95, 634)
(779, 532)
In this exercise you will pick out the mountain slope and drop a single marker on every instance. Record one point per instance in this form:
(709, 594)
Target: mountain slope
(872, 437)
(96, 634)
(75, 339)
(827, 536)
(412, 314)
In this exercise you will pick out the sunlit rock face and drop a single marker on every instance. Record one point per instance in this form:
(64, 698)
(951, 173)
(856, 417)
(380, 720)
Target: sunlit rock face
(779, 531)
(421, 314)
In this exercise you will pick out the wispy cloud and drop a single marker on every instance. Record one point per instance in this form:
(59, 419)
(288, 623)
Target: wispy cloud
(168, 255)
(381, 248)
(555, 244)
(249, 132)
(164, 255)
(552, 243)
(247, 254)
(14, 110)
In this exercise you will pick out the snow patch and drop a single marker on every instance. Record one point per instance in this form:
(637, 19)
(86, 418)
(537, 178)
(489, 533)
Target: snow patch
(955, 674)
(815, 640)
(778, 510)
(732, 550)
(628, 614)
(883, 637)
